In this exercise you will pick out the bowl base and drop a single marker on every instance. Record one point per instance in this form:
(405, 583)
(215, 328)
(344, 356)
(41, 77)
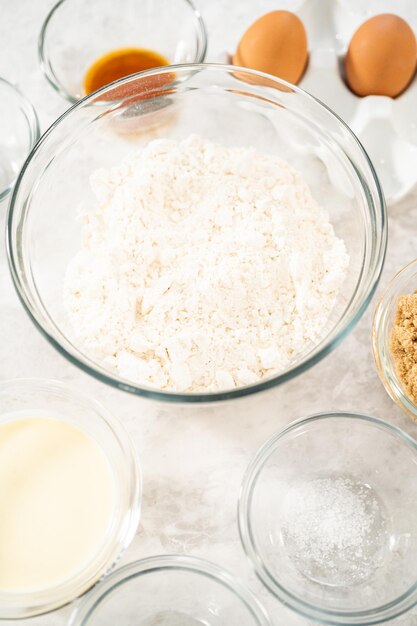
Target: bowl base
(171, 618)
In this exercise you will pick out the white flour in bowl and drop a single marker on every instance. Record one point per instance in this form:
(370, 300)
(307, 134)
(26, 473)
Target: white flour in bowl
(202, 267)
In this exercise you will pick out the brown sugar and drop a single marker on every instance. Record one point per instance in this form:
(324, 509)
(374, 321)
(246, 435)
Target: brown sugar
(403, 343)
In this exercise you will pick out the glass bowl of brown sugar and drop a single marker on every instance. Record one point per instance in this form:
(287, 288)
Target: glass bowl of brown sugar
(394, 338)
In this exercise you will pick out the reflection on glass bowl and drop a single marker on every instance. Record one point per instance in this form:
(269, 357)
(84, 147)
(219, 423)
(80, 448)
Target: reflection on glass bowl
(19, 131)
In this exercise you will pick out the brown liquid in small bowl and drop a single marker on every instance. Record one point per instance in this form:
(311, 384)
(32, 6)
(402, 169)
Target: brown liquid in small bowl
(120, 63)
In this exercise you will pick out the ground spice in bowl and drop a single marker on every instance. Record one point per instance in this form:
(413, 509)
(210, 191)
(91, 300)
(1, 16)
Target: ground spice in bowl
(403, 343)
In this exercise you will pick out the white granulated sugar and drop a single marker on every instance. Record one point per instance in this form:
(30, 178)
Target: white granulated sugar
(333, 529)
(202, 267)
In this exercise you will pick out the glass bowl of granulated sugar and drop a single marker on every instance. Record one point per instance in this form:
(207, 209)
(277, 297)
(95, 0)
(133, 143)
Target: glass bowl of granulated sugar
(205, 233)
(394, 338)
(327, 516)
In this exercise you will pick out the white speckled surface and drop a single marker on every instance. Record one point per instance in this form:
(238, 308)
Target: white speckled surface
(193, 458)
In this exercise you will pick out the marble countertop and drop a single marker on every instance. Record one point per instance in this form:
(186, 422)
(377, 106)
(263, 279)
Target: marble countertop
(193, 458)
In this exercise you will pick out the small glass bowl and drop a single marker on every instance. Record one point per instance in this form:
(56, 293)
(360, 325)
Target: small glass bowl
(25, 397)
(77, 33)
(327, 516)
(172, 590)
(19, 131)
(404, 283)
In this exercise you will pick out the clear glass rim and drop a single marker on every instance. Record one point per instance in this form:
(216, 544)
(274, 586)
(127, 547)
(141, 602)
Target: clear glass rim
(29, 604)
(44, 60)
(32, 126)
(386, 373)
(376, 615)
(379, 244)
(155, 564)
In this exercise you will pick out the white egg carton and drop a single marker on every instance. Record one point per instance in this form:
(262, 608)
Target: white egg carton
(387, 127)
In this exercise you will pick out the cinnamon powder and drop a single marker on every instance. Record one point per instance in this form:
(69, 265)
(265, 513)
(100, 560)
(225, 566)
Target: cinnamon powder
(403, 343)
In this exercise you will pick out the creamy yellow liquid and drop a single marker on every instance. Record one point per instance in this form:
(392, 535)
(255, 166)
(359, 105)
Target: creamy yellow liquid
(56, 502)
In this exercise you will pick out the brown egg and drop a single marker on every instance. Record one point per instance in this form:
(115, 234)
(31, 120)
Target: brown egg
(382, 57)
(276, 44)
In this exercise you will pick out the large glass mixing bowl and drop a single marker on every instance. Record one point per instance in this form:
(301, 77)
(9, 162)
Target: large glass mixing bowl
(231, 106)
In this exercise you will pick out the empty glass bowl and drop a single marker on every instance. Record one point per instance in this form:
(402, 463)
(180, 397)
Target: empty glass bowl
(19, 131)
(76, 33)
(327, 515)
(225, 104)
(170, 591)
(404, 283)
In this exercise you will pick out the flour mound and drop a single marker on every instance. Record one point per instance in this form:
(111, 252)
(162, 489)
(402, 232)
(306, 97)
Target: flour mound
(202, 267)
